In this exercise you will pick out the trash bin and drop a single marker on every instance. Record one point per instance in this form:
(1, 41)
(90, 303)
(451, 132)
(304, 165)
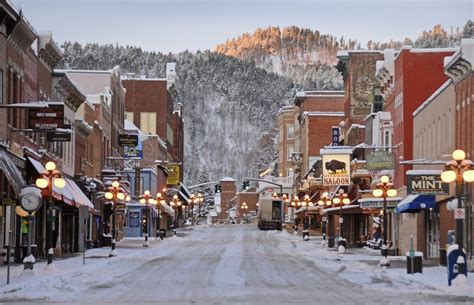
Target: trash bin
(443, 260)
(342, 242)
(305, 235)
(162, 234)
(330, 242)
(417, 263)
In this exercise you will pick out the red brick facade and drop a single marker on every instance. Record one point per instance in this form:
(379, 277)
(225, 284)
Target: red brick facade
(417, 75)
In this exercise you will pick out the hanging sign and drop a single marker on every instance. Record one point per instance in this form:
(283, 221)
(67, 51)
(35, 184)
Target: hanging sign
(379, 160)
(47, 118)
(173, 176)
(128, 140)
(335, 136)
(336, 167)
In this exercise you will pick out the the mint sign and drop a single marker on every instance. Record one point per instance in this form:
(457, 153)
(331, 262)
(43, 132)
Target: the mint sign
(426, 184)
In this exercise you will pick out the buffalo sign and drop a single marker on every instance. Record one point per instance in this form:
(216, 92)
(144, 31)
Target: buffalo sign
(336, 167)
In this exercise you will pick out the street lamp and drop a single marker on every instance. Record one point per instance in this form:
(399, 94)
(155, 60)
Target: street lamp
(384, 189)
(244, 207)
(459, 170)
(145, 199)
(341, 199)
(50, 177)
(114, 193)
(324, 201)
(306, 203)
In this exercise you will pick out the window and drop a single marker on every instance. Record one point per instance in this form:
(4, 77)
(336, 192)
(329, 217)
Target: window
(169, 133)
(1, 87)
(148, 122)
(129, 116)
(290, 132)
(289, 152)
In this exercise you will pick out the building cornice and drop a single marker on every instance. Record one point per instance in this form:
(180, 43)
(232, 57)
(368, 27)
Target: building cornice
(49, 52)
(22, 36)
(458, 69)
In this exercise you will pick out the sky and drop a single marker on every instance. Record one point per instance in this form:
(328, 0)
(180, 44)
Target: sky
(177, 25)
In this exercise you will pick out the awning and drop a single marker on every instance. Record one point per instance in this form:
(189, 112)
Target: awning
(10, 171)
(414, 203)
(80, 198)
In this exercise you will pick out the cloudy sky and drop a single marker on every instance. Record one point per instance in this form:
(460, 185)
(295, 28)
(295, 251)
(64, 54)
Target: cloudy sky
(176, 25)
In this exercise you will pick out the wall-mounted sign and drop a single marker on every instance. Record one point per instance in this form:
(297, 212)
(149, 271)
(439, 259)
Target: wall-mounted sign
(377, 204)
(47, 118)
(426, 184)
(336, 167)
(133, 152)
(335, 136)
(55, 136)
(379, 160)
(173, 176)
(128, 140)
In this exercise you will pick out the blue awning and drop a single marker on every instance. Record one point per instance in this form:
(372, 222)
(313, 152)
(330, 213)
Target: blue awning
(414, 203)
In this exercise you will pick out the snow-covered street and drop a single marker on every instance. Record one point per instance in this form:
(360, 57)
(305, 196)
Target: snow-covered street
(227, 264)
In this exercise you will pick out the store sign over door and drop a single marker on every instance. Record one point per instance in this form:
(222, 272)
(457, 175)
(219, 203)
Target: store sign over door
(426, 184)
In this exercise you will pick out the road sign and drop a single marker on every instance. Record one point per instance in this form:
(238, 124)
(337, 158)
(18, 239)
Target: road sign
(459, 214)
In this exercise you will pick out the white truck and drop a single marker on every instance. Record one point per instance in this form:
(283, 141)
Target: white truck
(270, 214)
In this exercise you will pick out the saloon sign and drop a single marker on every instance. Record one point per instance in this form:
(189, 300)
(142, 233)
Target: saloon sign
(336, 167)
(426, 182)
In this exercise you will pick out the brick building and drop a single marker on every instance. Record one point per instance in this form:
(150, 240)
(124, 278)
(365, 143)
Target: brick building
(459, 68)
(286, 140)
(357, 68)
(417, 74)
(316, 112)
(227, 195)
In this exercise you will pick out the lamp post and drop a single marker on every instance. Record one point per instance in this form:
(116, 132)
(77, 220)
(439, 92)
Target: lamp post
(114, 193)
(46, 182)
(200, 198)
(306, 203)
(341, 198)
(459, 170)
(295, 202)
(146, 198)
(176, 204)
(244, 207)
(324, 201)
(159, 200)
(384, 189)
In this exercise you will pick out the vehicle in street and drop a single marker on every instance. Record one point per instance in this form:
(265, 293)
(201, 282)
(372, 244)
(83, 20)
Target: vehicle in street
(270, 214)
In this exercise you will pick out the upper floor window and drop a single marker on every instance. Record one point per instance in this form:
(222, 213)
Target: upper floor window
(129, 116)
(289, 152)
(148, 122)
(290, 131)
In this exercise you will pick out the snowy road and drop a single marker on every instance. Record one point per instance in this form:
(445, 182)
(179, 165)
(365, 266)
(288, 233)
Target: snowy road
(235, 264)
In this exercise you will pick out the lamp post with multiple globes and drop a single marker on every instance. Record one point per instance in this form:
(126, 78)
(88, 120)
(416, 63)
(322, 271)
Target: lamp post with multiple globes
(459, 170)
(324, 201)
(341, 199)
(384, 189)
(50, 177)
(146, 198)
(244, 207)
(115, 193)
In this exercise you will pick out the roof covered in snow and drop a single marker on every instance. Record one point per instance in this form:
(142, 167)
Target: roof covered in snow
(228, 179)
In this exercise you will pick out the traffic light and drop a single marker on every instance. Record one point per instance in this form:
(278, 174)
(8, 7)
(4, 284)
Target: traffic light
(218, 188)
(246, 185)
